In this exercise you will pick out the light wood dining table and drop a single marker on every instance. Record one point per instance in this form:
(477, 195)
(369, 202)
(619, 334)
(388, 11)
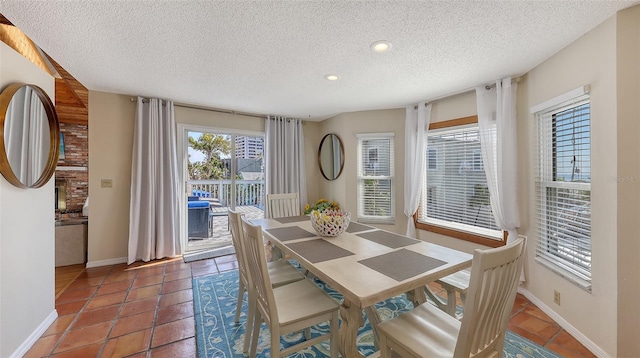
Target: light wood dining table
(366, 265)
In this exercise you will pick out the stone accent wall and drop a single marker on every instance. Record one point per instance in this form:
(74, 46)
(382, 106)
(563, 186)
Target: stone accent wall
(76, 152)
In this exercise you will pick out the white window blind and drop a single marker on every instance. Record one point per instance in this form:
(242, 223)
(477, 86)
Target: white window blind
(563, 189)
(376, 198)
(455, 192)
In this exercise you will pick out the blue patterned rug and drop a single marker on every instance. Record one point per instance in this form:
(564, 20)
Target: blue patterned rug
(217, 335)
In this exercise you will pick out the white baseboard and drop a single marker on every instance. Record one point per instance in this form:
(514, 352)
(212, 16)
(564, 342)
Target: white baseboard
(35, 335)
(116, 261)
(594, 348)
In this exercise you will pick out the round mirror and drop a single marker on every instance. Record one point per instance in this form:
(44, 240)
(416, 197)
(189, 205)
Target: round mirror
(30, 136)
(331, 156)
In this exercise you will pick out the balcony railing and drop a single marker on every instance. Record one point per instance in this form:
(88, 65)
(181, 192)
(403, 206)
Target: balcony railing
(248, 192)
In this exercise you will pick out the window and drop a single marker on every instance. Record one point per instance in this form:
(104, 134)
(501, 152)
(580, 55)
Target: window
(455, 199)
(376, 198)
(563, 189)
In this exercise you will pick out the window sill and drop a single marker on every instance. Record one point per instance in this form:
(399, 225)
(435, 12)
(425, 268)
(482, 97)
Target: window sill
(463, 235)
(582, 283)
(375, 221)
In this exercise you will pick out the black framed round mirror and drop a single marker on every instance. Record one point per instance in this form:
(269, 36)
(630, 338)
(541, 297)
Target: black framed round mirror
(331, 156)
(30, 140)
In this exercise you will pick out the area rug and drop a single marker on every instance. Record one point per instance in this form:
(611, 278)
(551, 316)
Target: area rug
(217, 335)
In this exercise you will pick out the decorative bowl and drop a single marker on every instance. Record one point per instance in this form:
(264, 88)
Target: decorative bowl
(330, 222)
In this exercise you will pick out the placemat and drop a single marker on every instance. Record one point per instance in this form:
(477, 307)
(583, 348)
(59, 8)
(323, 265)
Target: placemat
(388, 239)
(290, 233)
(357, 227)
(319, 250)
(292, 219)
(402, 264)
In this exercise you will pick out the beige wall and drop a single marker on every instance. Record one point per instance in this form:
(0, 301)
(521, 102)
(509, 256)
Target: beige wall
(347, 126)
(628, 147)
(591, 60)
(111, 120)
(27, 237)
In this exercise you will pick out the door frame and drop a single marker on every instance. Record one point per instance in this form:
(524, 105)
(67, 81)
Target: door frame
(182, 132)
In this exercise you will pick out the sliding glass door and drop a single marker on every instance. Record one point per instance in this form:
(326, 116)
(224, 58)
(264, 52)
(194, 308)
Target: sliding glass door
(222, 170)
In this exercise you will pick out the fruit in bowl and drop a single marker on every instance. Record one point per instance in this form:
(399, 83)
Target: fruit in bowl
(330, 222)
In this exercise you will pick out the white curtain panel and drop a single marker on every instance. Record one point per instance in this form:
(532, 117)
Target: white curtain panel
(497, 125)
(27, 146)
(284, 157)
(154, 212)
(416, 125)
(38, 138)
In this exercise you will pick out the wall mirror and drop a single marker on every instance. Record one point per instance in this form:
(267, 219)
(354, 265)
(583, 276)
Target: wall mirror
(331, 156)
(30, 136)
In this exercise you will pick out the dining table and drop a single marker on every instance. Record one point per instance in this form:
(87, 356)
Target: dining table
(366, 265)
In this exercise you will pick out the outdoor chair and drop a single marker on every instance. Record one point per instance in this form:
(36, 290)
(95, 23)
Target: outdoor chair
(289, 308)
(427, 331)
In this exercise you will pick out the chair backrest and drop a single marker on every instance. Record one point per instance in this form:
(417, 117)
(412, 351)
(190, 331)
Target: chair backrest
(282, 205)
(495, 275)
(258, 271)
(237, 239)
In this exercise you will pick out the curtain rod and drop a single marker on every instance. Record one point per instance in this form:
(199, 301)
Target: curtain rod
(515, 79)
(210, 109)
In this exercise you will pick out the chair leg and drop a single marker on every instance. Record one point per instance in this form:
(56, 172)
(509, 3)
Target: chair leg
(385, 351)
(307, 333)
(333, 328)
(275, 343)
(241, 290)
(251, 314)
(255, 333)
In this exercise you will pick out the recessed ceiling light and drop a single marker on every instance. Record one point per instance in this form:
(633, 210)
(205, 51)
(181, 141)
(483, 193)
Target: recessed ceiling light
(381, 46)
(332, 77)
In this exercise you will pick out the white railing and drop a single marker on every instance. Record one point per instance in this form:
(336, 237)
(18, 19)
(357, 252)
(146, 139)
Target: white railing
(248, 192)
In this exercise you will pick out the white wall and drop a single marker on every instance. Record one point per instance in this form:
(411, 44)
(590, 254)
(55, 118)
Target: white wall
(27, 237)
(591, 60)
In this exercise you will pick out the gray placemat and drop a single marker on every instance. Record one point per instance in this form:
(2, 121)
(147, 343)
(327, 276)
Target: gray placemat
(319, 250)
(357, 227)
(292, 219)
(388, 239)
(402, 264)
(290, 233)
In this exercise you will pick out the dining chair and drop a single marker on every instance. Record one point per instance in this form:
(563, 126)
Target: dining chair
(289, 308)
(281, 272)
(282, 205)
(427, 331)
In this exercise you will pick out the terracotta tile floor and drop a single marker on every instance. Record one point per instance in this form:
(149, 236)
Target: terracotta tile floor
(146, 310)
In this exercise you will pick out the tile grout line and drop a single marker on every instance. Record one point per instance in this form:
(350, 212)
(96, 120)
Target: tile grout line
(81, 310)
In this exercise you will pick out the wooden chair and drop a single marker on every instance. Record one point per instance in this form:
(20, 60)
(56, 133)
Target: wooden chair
(281, 273)
(455, 283)
(427, 331)
(282, 205)
(287, 308)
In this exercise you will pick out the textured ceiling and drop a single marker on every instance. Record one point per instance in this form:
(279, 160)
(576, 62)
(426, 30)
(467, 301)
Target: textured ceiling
(270, 57)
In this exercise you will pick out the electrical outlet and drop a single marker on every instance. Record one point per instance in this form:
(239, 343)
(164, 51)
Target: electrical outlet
(106, 183)
(556, 297)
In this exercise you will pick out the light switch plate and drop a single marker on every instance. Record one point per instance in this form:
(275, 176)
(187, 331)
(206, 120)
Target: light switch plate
(106, 183)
